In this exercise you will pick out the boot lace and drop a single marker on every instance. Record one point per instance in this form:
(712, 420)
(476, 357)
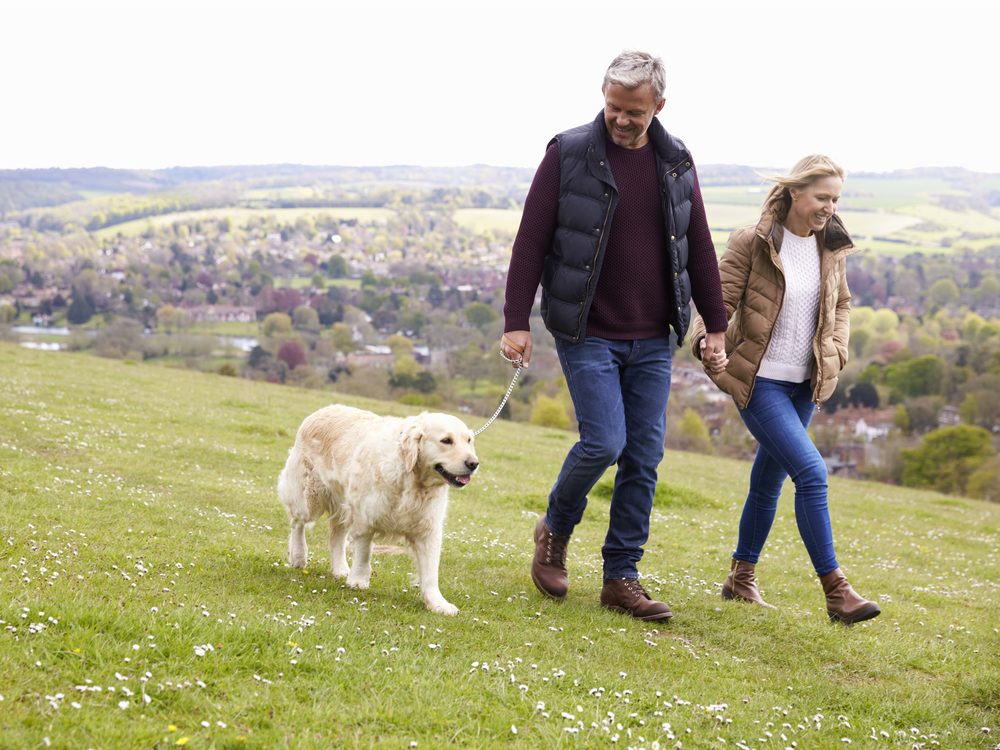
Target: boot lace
(555, 549)
(635, 588)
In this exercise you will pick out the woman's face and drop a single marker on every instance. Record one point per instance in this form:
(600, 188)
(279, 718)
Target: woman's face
(813, 206)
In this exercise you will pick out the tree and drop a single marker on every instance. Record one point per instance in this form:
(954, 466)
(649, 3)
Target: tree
(399, 344)
(981, 403)
(469, 363)
(885, 321)
(946, 458)
(943, 292)
(733, 438)
(276, 323)
(920, 376)
(170, 318)
(81, 309)
(838, 398)
(692, 434)
(859, 340)
(479, 314)
(988, 290)
(122, 338)
(342, 337)
(336, 267)
(864, 394)
(330, 311)
(10, 275)
(901, 419)
(259, 358)
(407, 373)
(304, 318)
(548, 411)
(984, 482)
(922, 413)
(292, 353)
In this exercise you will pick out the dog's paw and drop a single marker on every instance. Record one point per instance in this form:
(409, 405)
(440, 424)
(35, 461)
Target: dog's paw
(297, 561)
(357, 583)
(340, 573)
(443, 607)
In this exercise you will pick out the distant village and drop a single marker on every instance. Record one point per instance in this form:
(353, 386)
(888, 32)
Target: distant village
(408, 305)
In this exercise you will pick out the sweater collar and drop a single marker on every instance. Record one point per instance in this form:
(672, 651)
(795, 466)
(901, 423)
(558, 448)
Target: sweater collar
(658, 136)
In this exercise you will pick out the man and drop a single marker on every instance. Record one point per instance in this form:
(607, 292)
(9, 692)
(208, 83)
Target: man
(614, 229)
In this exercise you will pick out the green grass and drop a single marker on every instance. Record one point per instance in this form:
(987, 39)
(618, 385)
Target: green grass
(225, 328)
(147, 603)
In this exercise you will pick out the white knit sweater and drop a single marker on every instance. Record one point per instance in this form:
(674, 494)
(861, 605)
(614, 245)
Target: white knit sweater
(789, 355)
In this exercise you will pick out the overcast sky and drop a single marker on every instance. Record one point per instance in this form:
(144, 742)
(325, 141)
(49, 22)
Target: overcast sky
(876, 84)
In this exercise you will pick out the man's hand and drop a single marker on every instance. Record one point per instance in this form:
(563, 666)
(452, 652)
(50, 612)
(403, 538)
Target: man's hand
(515, 345)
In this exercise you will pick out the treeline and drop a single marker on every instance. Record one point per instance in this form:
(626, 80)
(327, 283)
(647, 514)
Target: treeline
(22, 189)
(108, 211)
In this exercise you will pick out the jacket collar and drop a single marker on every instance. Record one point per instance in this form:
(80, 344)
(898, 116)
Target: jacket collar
(834, 236)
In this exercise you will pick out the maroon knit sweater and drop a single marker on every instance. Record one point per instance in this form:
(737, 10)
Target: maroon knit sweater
(633, 298)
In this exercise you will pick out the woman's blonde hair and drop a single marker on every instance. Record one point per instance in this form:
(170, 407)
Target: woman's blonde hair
(806, 171)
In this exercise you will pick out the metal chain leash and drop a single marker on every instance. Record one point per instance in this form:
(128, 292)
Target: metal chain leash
(510, 389)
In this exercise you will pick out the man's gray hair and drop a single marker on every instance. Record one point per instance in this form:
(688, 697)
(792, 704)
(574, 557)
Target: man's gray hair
(632, 69)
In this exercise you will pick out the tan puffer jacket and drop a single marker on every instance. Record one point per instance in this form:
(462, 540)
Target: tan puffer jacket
(753, 286)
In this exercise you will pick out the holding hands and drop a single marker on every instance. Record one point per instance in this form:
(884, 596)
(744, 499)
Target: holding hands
(713, 352)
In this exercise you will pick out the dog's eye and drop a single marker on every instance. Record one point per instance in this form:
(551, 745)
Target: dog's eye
(447, 441)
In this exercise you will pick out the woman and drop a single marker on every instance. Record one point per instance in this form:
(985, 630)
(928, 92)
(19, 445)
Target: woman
(785, 289)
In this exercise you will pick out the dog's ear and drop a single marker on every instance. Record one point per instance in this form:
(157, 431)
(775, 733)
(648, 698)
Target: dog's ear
(409, 442)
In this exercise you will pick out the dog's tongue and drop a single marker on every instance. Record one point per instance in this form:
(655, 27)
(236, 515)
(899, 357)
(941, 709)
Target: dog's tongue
(463, 479)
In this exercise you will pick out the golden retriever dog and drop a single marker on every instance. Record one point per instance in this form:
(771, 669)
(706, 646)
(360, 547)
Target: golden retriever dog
(376, 475)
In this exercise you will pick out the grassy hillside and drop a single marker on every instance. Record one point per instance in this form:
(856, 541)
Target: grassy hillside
(147, 603)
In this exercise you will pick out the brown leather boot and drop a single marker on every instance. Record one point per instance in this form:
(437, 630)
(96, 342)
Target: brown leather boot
(548, 567)
(843, 603)
(627, 595)
(741, 584)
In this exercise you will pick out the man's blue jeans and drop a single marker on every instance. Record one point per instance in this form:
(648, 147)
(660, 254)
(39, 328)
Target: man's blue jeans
(619, 390)
(777, 416)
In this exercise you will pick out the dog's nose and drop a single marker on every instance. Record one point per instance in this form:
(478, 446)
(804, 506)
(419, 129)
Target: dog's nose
(472, 465)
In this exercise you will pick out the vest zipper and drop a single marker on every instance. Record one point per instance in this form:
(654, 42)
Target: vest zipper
(591, 280)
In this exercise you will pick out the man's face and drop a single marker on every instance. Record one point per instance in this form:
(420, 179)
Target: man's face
(628, 113)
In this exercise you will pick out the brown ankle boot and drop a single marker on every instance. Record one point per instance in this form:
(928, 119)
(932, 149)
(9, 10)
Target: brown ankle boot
(627, 595)
(843, 603)
(548, 567)
(742, 584)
